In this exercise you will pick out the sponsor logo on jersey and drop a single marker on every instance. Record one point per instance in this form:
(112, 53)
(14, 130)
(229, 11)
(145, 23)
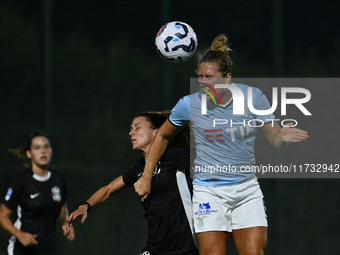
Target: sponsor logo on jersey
(55, 192)
(8, 194)
(204, 210)
(33, 196)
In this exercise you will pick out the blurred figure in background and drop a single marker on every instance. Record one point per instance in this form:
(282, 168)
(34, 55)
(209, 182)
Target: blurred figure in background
(38, 196)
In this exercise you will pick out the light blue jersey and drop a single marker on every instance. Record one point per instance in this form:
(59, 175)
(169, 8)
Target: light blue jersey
(224, 141)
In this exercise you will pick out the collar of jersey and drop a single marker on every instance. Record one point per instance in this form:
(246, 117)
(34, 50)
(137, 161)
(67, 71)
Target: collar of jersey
(42, 178)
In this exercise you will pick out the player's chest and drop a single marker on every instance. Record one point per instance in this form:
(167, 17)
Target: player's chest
(42, 195)
(164, 178)
(220, 125)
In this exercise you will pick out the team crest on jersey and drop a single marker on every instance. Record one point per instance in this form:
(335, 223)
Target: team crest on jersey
(156, 171)
(145, 253)
(55, 192)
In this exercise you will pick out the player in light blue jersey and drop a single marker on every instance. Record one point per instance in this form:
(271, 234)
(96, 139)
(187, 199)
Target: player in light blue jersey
(225, 141)
(226, 198)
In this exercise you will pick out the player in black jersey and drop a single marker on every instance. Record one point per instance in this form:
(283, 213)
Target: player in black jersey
(168, 208)
(38, 195)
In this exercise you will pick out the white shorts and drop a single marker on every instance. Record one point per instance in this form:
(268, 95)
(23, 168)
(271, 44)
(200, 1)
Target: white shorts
(228, 207)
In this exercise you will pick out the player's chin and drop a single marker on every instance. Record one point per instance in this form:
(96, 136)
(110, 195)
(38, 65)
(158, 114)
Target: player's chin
(44, 165)
(135, 147)
(70, 237)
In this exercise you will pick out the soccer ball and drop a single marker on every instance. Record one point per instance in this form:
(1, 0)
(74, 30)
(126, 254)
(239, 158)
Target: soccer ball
(176, 42)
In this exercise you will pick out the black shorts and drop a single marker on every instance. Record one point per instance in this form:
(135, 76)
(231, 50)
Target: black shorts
(31, 250)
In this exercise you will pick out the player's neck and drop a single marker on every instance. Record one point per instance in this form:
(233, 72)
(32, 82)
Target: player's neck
(226, 97)
(40, 170)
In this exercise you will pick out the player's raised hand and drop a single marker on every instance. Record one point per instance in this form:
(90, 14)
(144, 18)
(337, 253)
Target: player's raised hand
(81, 211)
(290, 134)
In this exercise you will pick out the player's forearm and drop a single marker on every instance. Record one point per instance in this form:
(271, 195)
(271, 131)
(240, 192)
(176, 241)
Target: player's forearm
(99, 196)
(274, 136)
(7, 225)
(278, 143)
(157, 149)
(106, 192)
(63, 214)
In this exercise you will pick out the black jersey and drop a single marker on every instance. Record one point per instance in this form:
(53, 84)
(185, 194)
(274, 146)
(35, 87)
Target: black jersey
(37, 202)
(168, 206)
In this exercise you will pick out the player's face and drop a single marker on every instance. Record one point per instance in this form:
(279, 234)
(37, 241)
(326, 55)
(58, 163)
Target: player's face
(209, 74)
(40, 152)
(141, 134)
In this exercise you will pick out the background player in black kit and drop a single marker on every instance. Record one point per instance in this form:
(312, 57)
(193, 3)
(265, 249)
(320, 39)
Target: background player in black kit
(38, 195)
(168, 208)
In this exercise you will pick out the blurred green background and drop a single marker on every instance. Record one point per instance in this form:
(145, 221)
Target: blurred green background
(81, 70)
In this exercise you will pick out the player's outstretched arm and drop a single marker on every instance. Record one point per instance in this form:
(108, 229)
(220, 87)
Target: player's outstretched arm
(157, 148)
(280, 138)
(97, 198)
(24, 238)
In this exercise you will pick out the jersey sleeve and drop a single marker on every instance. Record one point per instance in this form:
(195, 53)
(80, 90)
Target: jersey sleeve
(180, 114)
(132, 174)
(13, 194)
(261, 103)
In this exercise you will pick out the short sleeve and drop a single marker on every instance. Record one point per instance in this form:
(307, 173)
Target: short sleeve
(132, 174)
(261, 103)
(180, 114)
(13, 195)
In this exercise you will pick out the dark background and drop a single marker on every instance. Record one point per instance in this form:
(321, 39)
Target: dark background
(84, 77)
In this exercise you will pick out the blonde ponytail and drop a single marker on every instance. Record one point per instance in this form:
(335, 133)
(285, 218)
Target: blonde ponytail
(219, 53)
(220, 44)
